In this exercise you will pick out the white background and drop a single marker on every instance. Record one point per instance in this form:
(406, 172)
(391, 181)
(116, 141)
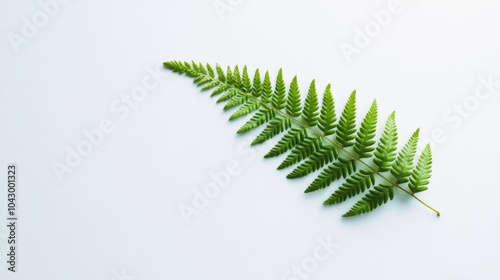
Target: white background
(117, 213)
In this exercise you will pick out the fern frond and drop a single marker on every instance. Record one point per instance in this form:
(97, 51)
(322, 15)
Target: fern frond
(210, 85)
(327, 119)
(267, 89)
(229, 77)
(377, 196)
(236, 77)
(201, 80)
(220, 73)
(385, 153)
(236, 100)
(210, 71)
(180, 68)
(347, 124)
(317, 160)
(220, 89)
(246, 84)
(401, 169)
(301, 151)
(228, 95)
(293, 103)
(261, 117)
(279, 97)
(310, 113)
(275, 127)
(354, 185)
(335, 171)
(198, 67)
(257, 84)
(422, 172)
(246, 109)
(364, 139)
(313, 137)
(294, 136)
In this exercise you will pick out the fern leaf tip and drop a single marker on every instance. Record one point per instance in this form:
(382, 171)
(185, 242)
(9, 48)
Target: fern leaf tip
(330, 202)
(168, 64)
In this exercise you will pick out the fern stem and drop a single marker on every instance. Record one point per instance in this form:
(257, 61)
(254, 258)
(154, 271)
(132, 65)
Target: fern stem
(304, 125)
(419, 200)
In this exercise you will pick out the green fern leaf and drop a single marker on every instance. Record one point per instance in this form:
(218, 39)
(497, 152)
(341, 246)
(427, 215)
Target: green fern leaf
(422, 172)
(385, 153)
(228, 95)
(310, 113)
(229, 77)
(210, 85)
(294, 136)
(275, 127)
(335, 171)
(246, 83)
(246, 109)
(317, 160)
(236, 100)
(267, 89)
(236, 77)
(364, 138)
(261, 117)
(377, 196)
(327, 118)
(180, 68)
(347, 124)
(198, 67)
(220, 89)
(314, 138)
(293, 103)
(220, 73)
(279, 97)
(354, 185)
(210, 71)
(257, 84)
(384, 156)
(401, 169)
(301, 151)
(200, 80)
